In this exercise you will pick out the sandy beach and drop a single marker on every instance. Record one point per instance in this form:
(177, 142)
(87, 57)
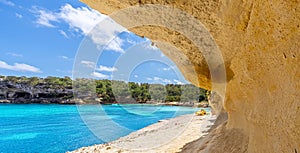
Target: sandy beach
(166, 136)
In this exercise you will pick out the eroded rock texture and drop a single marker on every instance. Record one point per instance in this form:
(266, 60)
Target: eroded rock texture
(259, 41)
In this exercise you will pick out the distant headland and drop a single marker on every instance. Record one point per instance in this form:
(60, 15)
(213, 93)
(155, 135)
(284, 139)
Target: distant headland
(56, 90)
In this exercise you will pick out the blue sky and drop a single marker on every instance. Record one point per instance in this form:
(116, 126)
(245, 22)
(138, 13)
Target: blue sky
(43, 38)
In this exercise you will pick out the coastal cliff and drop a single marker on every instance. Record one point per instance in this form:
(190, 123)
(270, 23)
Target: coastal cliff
(89, 91)
(259, 42)
(12, 92)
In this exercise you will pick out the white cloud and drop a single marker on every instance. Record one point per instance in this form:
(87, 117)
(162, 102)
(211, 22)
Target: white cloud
(89, 64)
(132, 42)
(161, 80)
(7, 2)
(19, 67)
(156, 78)
(63, 71)
(169, 68)
(45, 17)
(83, 20)
(149, 79)
(106, 69)
(14, 54)
(115, 45)
(105, 36)
(136, 76)
(177, 82)
(99, 75)
(19, 15)
(63, 33)
(65, 58)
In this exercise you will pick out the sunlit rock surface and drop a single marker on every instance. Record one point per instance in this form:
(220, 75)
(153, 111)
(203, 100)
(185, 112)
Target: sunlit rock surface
(259, 41)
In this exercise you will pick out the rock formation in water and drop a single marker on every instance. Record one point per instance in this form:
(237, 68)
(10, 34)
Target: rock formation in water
(259, 41)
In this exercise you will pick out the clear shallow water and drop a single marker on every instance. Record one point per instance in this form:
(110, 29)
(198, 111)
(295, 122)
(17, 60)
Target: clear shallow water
(60, 128)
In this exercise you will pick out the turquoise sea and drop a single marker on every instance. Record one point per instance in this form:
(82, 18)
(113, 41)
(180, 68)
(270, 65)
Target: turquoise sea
(60, 128)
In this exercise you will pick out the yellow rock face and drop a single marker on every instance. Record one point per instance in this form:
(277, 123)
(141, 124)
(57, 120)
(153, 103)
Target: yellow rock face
(201, 112)
(260, 45)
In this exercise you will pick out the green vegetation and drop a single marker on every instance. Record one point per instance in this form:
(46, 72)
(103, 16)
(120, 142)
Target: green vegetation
(111, 91)
(50, 82)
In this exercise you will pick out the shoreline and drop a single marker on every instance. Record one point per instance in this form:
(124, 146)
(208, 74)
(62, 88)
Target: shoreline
(156, 104)
(172, 135)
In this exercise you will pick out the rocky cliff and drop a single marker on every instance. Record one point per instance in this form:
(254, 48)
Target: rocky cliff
(259, 42)
(40, 93)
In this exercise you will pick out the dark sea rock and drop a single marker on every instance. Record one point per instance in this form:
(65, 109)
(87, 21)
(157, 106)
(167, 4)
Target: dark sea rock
(41, 93)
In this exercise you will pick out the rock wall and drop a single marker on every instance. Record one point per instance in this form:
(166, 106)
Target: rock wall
(259, 41)
(22, 93)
